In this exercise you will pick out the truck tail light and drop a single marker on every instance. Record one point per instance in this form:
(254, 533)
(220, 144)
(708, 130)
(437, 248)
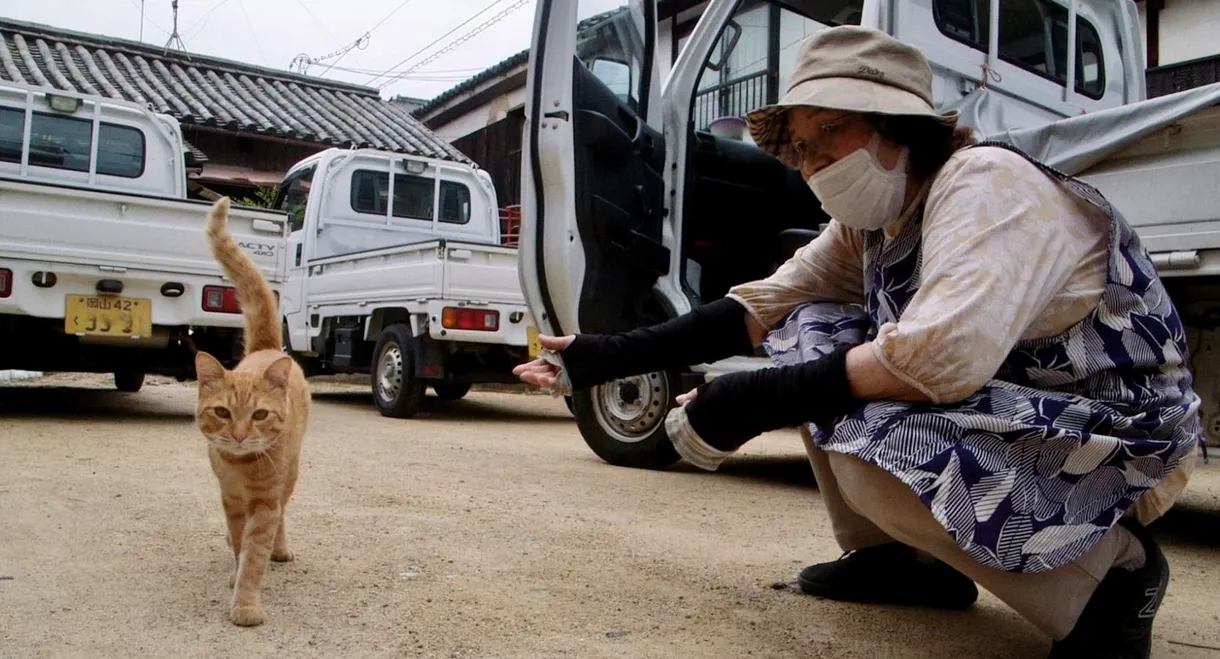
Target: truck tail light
(465, 318)
(220, 299)
(6, 282)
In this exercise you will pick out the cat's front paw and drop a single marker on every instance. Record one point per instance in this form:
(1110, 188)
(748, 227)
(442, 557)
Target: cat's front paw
(247, 615)
(282, 555)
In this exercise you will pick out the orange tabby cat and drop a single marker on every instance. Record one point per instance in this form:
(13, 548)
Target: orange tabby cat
(254, 418)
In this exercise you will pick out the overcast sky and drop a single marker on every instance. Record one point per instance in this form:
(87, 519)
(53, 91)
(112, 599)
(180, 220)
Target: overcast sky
(272, 32)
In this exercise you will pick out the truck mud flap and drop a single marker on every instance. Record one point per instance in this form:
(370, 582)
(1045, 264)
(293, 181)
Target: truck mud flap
(429, 360)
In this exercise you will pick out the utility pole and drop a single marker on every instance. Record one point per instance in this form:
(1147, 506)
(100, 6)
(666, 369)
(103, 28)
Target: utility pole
(141, 20)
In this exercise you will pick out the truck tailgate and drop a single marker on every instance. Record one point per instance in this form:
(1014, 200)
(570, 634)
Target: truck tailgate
(1166, 186)
(481, 273)
(59, 224)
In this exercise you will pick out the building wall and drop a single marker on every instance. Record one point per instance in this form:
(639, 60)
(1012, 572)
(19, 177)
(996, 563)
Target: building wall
(1189, 30)
(481, 117)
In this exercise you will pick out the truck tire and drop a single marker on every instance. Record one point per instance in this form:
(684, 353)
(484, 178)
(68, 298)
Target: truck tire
(128, 381)
(451, 390)
(567, 400)
(396, 390)
(624, 421)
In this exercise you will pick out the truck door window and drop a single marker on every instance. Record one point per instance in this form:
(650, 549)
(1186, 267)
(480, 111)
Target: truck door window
(455, 203)
(754, 55)
(294, 195)
(12, 128)
(412, 194)
(1033, 36)
(610, 44)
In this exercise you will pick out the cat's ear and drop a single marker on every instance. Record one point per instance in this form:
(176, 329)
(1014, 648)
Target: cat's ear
(208, 371)
(277, 373)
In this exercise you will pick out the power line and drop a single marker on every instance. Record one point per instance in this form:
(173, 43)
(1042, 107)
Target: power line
(367, 34)
(202, 19)
(241, 5)
(332, 34)
(436, 41)
(457, 73)
(303, 61)
(138, 4)
(460, 40)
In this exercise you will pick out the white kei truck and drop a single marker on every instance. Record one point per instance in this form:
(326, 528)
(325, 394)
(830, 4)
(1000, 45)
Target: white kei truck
(398, 269)
(633, 210)
(104, 266)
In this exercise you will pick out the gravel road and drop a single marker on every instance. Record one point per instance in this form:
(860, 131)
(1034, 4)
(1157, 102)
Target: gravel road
(485, 528)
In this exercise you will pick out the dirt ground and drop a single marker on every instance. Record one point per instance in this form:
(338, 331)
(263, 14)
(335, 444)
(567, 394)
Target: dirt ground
(485, 528)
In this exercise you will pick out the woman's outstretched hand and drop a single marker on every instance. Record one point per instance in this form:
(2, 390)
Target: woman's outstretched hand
(540, 372)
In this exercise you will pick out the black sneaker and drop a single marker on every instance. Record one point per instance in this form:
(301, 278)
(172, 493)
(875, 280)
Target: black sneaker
(889, 574)
(1117, 621)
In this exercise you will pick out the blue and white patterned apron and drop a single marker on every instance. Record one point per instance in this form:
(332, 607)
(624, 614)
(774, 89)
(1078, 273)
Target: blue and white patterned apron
(1030, 471)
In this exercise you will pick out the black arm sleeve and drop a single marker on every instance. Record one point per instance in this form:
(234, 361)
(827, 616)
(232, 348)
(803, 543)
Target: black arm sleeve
(708, 333)
(735, 408)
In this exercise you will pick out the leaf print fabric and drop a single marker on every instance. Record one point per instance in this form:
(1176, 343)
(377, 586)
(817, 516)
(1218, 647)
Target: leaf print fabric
(1033, 468)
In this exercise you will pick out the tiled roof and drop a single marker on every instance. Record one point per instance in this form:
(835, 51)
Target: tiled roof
(490, 73)
(505, 65)
(209, 91)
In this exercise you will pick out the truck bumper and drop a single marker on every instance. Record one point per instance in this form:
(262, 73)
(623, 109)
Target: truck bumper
(41, 289)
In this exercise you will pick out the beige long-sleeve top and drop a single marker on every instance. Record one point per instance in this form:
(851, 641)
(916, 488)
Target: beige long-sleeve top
(1008, 254)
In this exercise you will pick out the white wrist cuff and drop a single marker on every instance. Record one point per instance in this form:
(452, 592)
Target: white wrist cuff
(689, 445)
(563, 384)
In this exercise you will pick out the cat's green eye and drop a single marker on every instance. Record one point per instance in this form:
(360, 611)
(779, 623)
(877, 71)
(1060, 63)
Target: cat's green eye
(222, 412)
(259, 415)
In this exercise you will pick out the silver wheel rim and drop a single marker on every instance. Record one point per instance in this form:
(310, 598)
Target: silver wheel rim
(389, 373)
(631, 409)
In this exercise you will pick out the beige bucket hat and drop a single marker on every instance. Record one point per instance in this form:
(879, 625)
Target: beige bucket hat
(851, 68)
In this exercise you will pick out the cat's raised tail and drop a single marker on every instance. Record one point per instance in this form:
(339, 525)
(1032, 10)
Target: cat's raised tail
(258, 303)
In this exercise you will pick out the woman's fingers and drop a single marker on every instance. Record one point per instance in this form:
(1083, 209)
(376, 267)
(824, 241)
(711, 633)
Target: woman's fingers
(540, 372)
(687, 397)
(527, 367)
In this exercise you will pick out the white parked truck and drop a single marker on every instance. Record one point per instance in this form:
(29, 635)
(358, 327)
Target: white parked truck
(633, 211)
(104, 266)
(398, 270)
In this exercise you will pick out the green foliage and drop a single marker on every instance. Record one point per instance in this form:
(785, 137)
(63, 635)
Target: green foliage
(263, 198)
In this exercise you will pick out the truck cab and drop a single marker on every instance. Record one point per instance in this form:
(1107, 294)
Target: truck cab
(635, 208)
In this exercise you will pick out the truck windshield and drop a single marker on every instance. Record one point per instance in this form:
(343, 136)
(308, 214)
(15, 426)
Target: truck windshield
(294, 194)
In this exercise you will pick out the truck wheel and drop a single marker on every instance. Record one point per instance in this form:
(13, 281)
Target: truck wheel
(451, 391)
(397, 392)
(624, 421)
(567, 400)
(128, 381)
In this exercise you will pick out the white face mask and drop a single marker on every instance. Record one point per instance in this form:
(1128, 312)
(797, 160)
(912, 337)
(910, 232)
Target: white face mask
(860, 193)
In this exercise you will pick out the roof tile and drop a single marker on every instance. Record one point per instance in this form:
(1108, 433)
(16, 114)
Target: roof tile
(211, 91)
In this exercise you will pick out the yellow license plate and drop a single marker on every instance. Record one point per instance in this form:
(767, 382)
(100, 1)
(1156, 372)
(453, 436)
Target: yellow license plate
(98, 315)
(531, 333)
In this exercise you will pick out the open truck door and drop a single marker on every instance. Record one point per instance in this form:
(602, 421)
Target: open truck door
(594, 237)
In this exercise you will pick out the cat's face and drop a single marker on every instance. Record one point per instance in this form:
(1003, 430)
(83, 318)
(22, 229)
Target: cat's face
(241, 412)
